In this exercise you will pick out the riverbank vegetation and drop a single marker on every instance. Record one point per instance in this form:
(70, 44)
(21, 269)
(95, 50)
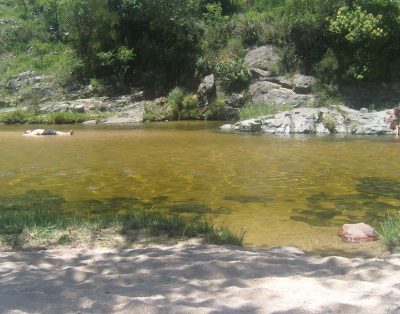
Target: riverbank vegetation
(163, 44)
(20, 228)
(389, 232)
(26, 117)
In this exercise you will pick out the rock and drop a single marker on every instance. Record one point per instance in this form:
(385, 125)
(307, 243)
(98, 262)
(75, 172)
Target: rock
(264, 58)
(259, 90)
(251, 125)
(259, 74)
(338, 119)
(207, 90)
(22, 79)
(364, 110)
(235, 100)
(302, 84)
(227, 127)
(357, 233)
(90, 122)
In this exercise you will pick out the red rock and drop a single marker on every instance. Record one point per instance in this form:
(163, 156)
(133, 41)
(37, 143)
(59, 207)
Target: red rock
(357, 233)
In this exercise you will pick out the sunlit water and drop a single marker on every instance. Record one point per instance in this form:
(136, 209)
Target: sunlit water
(284, 190)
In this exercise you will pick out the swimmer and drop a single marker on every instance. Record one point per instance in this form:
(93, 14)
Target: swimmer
(37, 132)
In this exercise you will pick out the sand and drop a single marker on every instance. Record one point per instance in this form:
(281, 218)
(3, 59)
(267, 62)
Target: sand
(196, 278)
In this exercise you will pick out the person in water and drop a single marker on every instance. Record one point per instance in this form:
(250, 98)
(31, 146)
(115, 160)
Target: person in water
(394, 120)
(37, 132)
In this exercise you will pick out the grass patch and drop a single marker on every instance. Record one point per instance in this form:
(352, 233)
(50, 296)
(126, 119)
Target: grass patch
(24, 116)
(21, 228)
(389, 231)
(250, 110)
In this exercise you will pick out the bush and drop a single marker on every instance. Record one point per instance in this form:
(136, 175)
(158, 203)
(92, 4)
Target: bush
(174, 101)
(66, 118)
(233, 74)
(14, 117)
(216, 110)
(389, 231)
(190, 106)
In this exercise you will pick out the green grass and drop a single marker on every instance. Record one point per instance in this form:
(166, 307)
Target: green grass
(252, 111)
(18, 227)
(23, 117)
(389, 231)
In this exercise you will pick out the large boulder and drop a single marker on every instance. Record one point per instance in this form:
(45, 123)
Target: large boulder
(357, 233)
(265, 58)
(259, 90)
(273, 94)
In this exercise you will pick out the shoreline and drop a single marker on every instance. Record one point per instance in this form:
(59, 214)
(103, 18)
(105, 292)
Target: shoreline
(195, 278)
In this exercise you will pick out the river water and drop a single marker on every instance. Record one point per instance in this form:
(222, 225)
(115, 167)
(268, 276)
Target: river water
(283, 190)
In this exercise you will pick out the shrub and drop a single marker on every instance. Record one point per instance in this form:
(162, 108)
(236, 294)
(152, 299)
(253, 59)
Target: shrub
(190, 105)
(233, 74)
(174, 101)
(66, 118)
(216, 110)
(249, 27)
(389, 231)
(14, 117)
(327, 70)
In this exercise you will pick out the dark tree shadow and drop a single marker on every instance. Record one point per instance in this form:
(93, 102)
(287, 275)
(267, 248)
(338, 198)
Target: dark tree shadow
(366, 205)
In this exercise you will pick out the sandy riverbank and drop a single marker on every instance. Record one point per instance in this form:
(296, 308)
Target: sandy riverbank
(195, 278)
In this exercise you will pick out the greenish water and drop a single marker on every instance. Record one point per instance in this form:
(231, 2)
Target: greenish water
(284, 190)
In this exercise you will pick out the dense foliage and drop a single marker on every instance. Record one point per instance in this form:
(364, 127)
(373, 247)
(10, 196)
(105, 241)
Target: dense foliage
(173, 40)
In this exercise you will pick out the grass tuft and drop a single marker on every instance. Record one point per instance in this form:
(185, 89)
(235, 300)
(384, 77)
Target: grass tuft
(389, 231)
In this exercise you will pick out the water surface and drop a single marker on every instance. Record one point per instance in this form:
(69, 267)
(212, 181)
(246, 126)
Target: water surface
(284, 190)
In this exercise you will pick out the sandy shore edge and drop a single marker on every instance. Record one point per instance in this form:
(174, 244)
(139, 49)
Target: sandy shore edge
(196, 278)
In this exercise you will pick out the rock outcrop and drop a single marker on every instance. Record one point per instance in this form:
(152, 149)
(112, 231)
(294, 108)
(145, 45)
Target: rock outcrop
(338, 119)
(207, 90)
(269, 88)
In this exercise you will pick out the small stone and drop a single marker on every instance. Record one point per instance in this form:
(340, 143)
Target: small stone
(357, 233)
(227, 127)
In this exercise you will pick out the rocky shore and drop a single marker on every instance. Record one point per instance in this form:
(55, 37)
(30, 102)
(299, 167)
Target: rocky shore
(337, 119)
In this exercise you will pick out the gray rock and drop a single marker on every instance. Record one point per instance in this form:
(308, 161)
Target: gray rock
(302, 84)
(277, 97)
(259, 90)
(227, 127)
(364, 110)
(251, 125)
(235, 100)
(260, 74)
(90, 122)
(264, 58)
(207, 90)
(22, 79)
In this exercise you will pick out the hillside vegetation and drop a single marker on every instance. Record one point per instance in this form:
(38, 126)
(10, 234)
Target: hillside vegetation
(161, 44)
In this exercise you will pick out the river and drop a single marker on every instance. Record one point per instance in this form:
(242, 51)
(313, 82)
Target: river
(283, 190)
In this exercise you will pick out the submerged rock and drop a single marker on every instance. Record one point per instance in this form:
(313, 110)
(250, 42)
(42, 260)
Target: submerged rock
(357, 233)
